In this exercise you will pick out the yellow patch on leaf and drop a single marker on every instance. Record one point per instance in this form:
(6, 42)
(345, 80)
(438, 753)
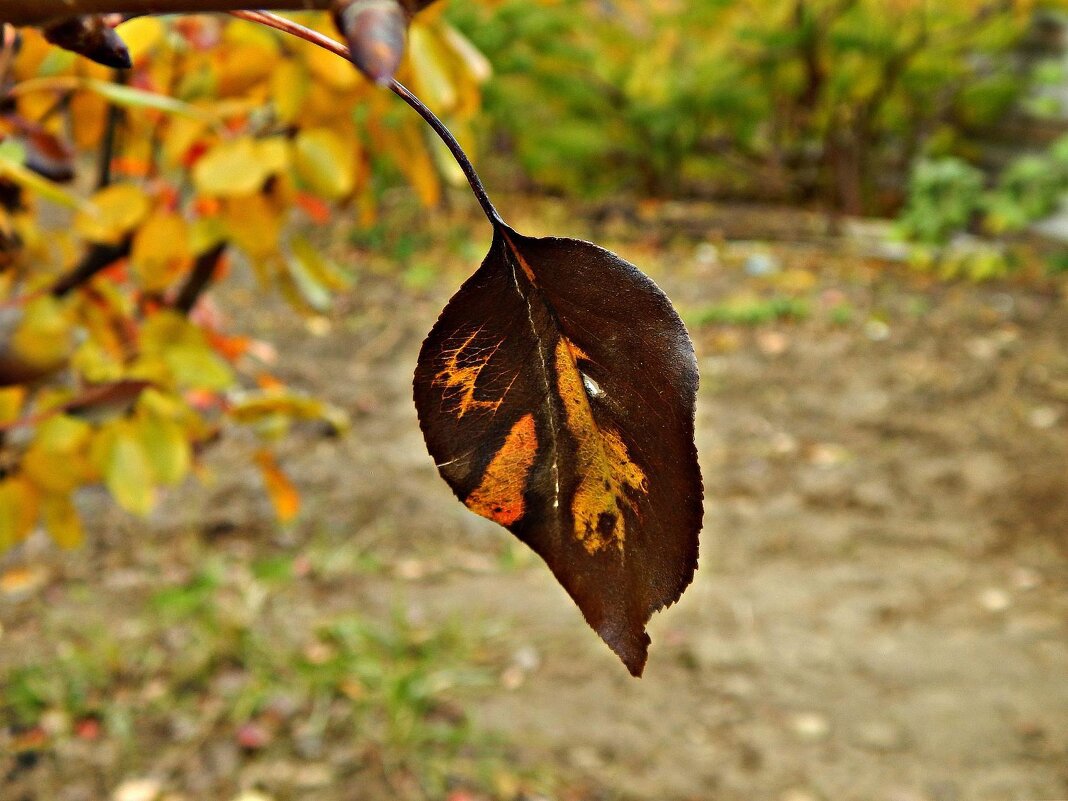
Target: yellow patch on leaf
(605, 468)
(500, 494)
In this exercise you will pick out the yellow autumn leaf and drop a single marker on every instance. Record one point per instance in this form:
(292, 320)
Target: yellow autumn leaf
(253, 223)
(172, 345)
(19, 502)
(180, 135)
(205, 233)
(91, 112)
(160, 252)
(43, 338)
(231, 168)
(141, 35)
(325, 271)
(265, 406)
(325, 163)
(126, 468)
(475, 64)
(274, 153)
(288, 90)
(407, 147)
(283, 494)
(31, 53)
(336, 73)
(241, 68)
(167, 448)
(431, 77)
(61, 520)
(11, 400)
(57, 458)
(114, 211)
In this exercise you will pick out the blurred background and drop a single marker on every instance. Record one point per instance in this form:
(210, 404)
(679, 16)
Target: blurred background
(857, 207)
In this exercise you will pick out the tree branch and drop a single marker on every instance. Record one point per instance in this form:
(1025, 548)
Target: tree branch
(96, 258)
(40, 12)
(199, 279)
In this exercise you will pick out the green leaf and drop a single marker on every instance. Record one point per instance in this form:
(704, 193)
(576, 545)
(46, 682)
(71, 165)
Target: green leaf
(119, 94)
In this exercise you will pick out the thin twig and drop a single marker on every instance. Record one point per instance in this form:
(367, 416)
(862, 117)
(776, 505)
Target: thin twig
(199, 279)
(40, 12)
(96, 258)
(107, 144)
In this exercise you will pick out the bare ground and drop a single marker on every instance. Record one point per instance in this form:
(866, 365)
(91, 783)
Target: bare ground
(880, 610)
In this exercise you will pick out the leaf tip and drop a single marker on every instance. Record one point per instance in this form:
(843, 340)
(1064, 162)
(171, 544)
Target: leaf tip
(375, 31)
(633, 651)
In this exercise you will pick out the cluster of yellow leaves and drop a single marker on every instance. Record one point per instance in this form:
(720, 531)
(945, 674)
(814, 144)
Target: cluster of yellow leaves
(229, 135)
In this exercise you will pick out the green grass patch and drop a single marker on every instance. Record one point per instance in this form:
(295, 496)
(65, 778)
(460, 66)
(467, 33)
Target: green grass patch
(752, 311)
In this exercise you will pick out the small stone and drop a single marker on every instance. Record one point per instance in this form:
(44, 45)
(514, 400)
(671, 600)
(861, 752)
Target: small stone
(982, 348)
(410, 569)
(739, 686)
(313, 775)
(905, 794)
(1044, 417)
(144, 789)
(707, 255)
(55, 722)
(877, 330)
(880, 735)
(526, 658)
(828, 454)
(512, 677)
(994, 599)
(874, 494)
(1024, 578)
(772, 343)
(761, 264)
(810, 726)
(318, 326)
(784, 444)
(21, 582)
(585, 757)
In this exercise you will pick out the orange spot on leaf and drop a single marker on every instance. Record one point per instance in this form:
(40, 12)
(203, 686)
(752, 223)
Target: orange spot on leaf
(500, 494)
(463, 365)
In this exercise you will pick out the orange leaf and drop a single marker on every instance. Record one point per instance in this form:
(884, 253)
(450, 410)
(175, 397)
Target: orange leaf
(284, 496)
(317, 209)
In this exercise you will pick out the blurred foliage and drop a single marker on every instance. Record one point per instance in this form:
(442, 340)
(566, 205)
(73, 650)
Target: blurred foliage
(950, 200)
(226, 137)
(215, 656)
(796, 100)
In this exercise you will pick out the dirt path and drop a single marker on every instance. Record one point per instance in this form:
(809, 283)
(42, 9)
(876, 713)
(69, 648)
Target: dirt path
(881, 611)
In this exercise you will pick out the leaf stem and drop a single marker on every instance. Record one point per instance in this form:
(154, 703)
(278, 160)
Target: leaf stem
(457, 152)
(399, 89)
